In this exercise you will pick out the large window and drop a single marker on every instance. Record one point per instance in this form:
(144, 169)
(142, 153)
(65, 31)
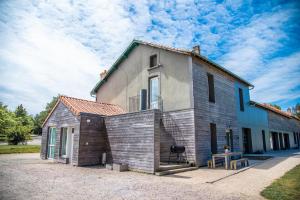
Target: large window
(153, 92)
(64, 135)
(51, 142)
(211, 88)
(241, 96)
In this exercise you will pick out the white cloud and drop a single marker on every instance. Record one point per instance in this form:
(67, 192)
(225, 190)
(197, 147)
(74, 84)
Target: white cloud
(51, 47)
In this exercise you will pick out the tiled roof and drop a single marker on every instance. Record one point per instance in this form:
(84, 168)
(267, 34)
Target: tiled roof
(77, 106)
(271, 108)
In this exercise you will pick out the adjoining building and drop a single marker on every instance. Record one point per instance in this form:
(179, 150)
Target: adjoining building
(156, 96)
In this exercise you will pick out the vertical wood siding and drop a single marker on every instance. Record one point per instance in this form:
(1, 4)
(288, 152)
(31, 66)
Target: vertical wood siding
(134, 139)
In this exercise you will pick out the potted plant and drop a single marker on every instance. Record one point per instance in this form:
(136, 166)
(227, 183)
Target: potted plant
(227, 149)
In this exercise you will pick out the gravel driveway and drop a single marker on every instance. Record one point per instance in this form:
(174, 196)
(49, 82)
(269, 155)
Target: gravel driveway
(25, 176)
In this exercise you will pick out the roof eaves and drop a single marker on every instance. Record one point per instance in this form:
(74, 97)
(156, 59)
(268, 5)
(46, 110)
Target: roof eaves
(269, 109)
(114, 67)
(223, 69)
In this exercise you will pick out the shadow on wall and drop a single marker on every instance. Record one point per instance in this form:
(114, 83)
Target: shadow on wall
(172, 134)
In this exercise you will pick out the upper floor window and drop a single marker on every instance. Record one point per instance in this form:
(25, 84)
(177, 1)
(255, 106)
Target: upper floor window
(241, 97)
(211, 88)
(153, 92)
(153, 60)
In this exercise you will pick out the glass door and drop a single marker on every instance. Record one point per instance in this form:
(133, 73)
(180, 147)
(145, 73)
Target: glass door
(153, 93)
(51, 142)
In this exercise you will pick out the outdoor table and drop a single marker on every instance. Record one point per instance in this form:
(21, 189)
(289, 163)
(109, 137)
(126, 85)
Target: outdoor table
(226, 156)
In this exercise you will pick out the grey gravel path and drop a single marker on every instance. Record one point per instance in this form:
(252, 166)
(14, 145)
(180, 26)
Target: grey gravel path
(25, 176)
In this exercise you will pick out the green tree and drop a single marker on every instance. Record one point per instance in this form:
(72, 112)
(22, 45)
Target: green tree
(41, 117)
(296, 110)
(276, 106)
(7, 121)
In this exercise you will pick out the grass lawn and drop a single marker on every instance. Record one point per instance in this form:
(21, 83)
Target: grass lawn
(285, 188)
(6, 149)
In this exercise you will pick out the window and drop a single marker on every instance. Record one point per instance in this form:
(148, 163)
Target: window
(241, 99)
(211, 88)
(153, 60)
(153, 92)
(64, 133)
(295, 138)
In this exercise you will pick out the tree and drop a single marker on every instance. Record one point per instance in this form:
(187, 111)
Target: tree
(296, 110)
(15, 127)
(7, 121)
(276, 106)
(41, 117)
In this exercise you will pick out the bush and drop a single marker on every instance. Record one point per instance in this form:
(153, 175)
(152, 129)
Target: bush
(20, 134)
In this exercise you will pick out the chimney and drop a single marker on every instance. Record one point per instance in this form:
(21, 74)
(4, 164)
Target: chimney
(103, 74)
(196, 49)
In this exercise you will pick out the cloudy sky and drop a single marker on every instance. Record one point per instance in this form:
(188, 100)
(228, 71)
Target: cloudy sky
(51, 47)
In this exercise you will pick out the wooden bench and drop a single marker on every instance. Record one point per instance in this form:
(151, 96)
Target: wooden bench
(243, 161)
(217, 160)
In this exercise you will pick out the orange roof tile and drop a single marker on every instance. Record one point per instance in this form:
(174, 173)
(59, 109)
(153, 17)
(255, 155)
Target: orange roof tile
(77, 106)
(271, 108)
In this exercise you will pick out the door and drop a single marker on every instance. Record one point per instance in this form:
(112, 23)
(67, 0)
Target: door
(213, 138)
(275, 141)
(264, 140)
(281, 141)
(286, 141)
(247, 140)
(153, 93)
(70, 144)
(51, 142)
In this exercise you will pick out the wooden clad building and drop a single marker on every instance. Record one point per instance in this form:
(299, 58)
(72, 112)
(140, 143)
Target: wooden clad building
(158, 96)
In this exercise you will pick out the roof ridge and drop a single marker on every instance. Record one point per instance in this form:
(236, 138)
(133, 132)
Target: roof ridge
(75, 98)
(162, 45)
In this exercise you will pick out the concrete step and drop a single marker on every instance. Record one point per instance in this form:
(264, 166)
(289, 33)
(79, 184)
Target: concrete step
(169, 167)
(175, 171)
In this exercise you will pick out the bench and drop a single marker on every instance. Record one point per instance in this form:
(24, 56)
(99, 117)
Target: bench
(217, 161)
(243, 161)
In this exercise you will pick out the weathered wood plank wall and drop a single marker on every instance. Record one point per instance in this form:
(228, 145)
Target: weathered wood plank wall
(177, 128)
(134, 139)
(61, 117)
(93, 140)
(222, 112)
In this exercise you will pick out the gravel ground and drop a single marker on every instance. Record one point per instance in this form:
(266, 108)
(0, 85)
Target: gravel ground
(25, 176)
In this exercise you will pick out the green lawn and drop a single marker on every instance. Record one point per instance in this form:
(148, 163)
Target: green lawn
(6, 149)
(285, 188)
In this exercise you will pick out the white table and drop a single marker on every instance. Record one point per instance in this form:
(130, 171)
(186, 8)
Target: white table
(226, 156)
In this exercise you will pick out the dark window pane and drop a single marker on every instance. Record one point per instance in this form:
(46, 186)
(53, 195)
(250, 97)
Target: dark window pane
(241, 99)
(153, 60)
(211, 88)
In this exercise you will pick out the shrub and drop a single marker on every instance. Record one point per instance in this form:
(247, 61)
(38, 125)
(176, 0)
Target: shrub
(19, 134)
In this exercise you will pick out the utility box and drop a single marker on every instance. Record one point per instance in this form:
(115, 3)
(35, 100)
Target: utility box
(120, 167)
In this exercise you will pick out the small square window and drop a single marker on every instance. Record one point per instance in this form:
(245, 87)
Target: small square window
(153, 60)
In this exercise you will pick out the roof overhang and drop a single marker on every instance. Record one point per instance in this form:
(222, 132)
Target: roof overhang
(136, 43)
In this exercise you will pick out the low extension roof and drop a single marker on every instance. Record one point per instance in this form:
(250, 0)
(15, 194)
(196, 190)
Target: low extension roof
(136, 43)
(77, 106)
(272, 109)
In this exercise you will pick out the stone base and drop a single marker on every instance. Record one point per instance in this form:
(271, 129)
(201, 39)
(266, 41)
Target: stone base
(120, 167)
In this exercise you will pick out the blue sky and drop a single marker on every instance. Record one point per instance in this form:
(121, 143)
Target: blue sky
(51, 47)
